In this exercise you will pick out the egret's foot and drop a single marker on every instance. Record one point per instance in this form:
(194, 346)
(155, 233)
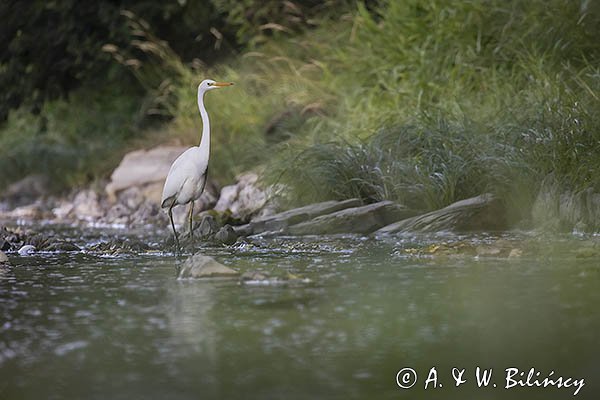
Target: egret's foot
(177, 246)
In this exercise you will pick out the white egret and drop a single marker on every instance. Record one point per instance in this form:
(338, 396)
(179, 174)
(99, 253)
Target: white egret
(187, 176)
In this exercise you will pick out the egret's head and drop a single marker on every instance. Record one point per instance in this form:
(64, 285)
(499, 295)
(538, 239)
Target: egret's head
(209, 84)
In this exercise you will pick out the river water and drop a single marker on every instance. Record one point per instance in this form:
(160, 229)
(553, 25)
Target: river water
(88, 325)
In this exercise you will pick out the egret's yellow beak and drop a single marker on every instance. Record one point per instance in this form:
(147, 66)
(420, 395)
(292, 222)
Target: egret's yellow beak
(222, 84)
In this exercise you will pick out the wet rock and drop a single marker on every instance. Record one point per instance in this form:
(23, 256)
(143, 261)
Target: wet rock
(61, 246)
(11, 239)
(363, 219)
(481, 213)
(587, 252)
(120, 246)
(489, 251)
(283, 220)
(145, 170)
(226, 235)
(26, 250)
(201, 266)
(515, 253)
(208, 226)
(254, 276)
(3, 258)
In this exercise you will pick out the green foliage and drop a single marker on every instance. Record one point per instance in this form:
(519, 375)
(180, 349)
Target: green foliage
(52, 47)
(425, 165)
(512, 87)
(73, 141)
(255, 21)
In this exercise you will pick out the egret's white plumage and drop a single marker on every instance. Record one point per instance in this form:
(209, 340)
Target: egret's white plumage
(187, 176)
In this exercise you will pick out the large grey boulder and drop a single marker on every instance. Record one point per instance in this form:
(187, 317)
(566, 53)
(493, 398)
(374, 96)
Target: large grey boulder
(201, 266)
(481, 213)
(144, 169)
(363, 219)
(281, 221)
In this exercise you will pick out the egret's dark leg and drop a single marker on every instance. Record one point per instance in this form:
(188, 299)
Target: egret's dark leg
(173, 226)
(192, 221)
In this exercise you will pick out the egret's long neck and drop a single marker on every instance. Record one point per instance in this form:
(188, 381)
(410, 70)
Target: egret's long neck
(205, 141)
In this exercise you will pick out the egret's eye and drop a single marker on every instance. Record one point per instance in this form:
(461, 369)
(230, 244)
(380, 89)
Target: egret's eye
(209, 84)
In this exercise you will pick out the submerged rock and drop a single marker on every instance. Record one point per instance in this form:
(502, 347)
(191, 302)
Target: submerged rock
(226, 235)
(481, 213)
(254, 276)
(515, 253)
(201, 266)
(208, 226)
(257, 278)
(363, 219)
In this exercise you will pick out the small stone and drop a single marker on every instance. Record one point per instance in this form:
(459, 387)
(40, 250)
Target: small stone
(226, 235)
(3, 257)
(515, 253)
(201, 266)
(587, 252)
(488, 251)
(208, 226)
(254, 276)
(26, 250)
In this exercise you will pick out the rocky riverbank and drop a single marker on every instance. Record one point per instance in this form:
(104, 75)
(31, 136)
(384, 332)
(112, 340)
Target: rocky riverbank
(131, 199)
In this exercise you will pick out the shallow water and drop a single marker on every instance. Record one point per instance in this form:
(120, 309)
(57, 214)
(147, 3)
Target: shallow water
(88, 325)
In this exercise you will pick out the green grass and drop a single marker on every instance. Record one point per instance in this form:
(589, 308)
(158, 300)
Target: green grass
(441, 101)
(72, 141)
